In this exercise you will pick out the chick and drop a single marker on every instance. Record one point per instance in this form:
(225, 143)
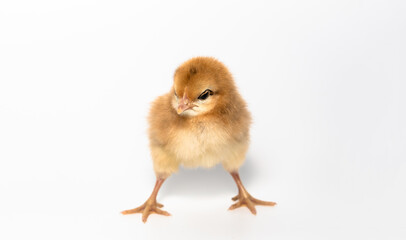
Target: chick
(201, 122)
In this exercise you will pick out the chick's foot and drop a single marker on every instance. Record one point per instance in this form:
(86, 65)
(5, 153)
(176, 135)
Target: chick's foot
(248, 201)
(244, 198)
(150, 206)
(146, 209)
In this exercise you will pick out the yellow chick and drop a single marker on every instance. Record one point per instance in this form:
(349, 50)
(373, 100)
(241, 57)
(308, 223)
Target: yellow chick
(201, 122)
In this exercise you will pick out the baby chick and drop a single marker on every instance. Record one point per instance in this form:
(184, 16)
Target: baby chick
(201, 122)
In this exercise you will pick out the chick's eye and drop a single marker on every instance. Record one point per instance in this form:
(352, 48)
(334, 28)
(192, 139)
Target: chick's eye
(205, 94)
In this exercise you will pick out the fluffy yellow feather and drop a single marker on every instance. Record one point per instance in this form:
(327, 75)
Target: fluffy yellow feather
(201, 122)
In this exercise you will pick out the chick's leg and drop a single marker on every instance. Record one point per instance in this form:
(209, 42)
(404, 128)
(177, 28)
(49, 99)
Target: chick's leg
(150, 206)
(244, 198)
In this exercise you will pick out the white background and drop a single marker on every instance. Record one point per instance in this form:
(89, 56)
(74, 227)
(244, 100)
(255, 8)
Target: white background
(324, 80)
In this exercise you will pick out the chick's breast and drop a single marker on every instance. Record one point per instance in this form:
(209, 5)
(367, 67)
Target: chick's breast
(194, 142)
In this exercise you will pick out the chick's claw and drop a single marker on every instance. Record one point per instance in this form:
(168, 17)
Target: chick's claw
(249, 202)
(263, 203)
(235, 198)
(146, 209)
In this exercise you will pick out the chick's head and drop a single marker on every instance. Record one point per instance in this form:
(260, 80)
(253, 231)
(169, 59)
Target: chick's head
(201, 85)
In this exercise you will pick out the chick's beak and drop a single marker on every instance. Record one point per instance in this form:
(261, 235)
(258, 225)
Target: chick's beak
(184, 105)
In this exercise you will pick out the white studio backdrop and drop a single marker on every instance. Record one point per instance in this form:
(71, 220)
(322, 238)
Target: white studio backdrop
(325, 82)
